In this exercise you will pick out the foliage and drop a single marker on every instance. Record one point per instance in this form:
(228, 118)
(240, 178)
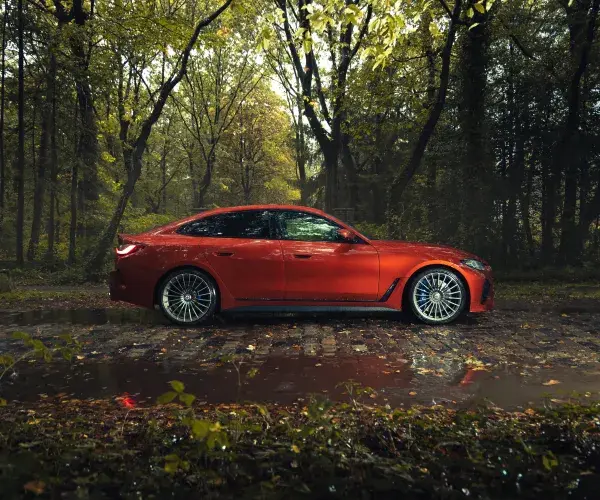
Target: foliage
(320, 103)
(321, 449)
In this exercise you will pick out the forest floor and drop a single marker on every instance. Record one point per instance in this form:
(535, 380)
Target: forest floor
(539, 349)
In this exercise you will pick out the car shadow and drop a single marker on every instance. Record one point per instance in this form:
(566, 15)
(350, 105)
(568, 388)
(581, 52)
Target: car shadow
(141, 316)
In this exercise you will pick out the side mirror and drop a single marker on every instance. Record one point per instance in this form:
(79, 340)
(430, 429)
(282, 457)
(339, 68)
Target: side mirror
(346, 235)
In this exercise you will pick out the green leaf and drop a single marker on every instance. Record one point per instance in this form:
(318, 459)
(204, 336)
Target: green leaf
(21, 336)
(474, 25)
(6, 360)
(550, 461)
(306, 45)
(3, 402)
(38, 345)
(252, 372)
(479, 8)
(165, 398)
(200, 428)
(187, 399)
(177, 385)
(470, 12)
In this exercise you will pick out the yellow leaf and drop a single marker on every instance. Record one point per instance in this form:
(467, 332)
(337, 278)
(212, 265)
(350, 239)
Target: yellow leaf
(412, 393)
(551, 382)
(295, 449)
(36, 487)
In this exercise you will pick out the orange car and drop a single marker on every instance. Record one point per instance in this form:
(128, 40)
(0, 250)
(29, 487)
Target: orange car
(291, 258)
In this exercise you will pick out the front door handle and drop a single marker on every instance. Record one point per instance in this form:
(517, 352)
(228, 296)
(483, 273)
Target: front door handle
(302, 256)
(223, 254)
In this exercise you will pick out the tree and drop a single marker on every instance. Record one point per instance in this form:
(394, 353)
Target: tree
(135, 147)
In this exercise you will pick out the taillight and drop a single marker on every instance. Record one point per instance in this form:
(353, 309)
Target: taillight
(127, 249)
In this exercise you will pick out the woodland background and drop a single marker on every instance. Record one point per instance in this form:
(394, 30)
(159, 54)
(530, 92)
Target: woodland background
(471, 123)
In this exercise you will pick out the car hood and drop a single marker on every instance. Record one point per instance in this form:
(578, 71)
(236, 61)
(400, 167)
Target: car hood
(428, 250)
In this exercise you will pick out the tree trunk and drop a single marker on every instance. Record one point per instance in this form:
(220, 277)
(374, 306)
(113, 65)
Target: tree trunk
(582, 31)
(2, 103)
(53, 207)
(401, 182)
(477, 163)
(73, 206)
(45, 158)
(21, 133)
(88, 142)
(73, 199)
(205, 184)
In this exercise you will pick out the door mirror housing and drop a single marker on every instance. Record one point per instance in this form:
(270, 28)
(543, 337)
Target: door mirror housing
(347, 235)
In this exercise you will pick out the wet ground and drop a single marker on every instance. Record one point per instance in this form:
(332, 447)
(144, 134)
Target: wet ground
(514, 357)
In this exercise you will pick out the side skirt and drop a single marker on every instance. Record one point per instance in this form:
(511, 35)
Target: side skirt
(290, 308)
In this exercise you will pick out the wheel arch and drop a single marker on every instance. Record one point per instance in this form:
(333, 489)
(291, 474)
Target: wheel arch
(181, 267)
(434, 265)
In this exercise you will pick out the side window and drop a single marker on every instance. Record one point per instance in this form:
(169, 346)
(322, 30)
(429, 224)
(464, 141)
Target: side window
(302, 226)
(242, 224)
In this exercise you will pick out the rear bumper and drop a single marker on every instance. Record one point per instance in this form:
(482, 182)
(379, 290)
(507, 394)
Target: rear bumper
(135, 291)
(115, 287)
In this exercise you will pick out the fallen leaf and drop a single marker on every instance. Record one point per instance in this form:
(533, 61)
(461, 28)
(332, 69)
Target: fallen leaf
(251, 347)
(412, 393)
(36, 487)
(551, 382)
(530, 411)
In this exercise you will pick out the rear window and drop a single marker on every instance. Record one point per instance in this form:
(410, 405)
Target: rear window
(243, 224)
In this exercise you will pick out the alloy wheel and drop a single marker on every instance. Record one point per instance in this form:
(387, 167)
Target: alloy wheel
(438, 296)
(188, 297)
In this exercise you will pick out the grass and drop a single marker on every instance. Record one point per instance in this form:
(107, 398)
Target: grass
(25, 299)
(542, 291)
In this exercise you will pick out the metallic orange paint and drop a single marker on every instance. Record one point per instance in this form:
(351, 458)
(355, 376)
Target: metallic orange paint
(273, 272)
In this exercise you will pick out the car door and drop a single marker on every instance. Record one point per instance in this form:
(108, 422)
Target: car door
(320, 265)
(239, 248)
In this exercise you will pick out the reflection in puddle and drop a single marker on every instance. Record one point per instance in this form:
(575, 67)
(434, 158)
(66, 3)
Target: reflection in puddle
(278, 379)
(284, 380)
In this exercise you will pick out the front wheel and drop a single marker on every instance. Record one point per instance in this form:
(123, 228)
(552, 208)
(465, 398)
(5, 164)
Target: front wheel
(188, 297)
(437, 296)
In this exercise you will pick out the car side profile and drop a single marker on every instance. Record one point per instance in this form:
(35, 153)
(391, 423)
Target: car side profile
(291, 258)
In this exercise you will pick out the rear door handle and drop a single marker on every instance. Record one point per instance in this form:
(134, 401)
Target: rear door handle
(223, 254)
(302, 256)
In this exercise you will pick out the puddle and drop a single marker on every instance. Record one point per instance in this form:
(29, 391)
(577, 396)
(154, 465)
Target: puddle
(279, 379)
(285, 380)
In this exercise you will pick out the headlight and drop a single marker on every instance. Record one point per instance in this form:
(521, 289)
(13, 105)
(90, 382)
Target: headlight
(475, 264)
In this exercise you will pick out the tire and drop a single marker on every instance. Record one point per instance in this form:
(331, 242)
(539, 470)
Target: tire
(188, 297)
(437, 296)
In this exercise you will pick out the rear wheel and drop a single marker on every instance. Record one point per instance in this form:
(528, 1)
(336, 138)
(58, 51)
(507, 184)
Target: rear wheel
(188, 297)
(437, 296)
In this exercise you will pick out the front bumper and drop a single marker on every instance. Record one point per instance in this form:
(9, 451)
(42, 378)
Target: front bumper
(482, 292)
